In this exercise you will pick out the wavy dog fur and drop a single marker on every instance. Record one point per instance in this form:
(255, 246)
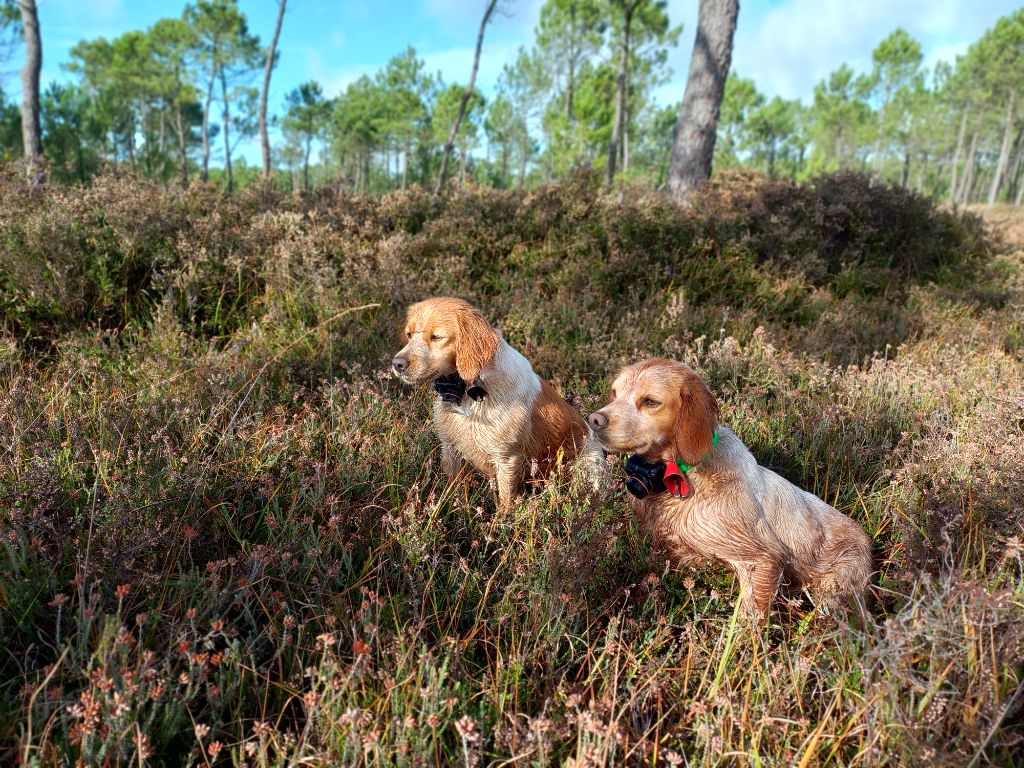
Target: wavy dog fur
(769, 532)
(521, 428)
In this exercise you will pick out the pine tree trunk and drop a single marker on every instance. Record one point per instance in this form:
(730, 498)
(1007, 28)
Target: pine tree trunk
(1004, 154)
(694, 143)
(179, 124)
(31, 136)
(620, 91)
(965, 184)
(227, 128)
(271, 52)
(405, 165)
(206, 122)
(465, 99)
(524, 150)
(130, 143)
(977, 173)
(1014, 177)
(625, 134)
(956, 156)
(305, 162)
(570, 82)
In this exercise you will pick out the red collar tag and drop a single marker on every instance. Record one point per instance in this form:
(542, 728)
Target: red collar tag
(676, 481)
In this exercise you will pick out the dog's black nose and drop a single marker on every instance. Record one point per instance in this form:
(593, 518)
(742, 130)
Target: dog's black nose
(598, 420)
(399, 364)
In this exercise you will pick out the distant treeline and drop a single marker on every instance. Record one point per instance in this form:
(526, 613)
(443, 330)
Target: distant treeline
(175, 100)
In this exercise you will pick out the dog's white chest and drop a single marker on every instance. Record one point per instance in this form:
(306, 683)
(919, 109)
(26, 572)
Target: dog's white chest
(482, 431)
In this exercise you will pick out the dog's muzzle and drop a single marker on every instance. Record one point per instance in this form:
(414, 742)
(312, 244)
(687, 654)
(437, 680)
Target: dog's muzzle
(644, 478)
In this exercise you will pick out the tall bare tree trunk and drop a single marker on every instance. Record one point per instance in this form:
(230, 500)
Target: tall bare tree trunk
(524, 149)
(227, 128)
(626, 132)
(628, 8)
(264, 94)
(1019, 200)
(130, 142)
(179, 127)
(305, 163)
(31, 136)
(1004, 154)
(206, 122)
(956, 157)
(694, 143)
(973, 189)
(963, 194)
(1014, 180)
(405, 164)
(570, 82)
(465, 99)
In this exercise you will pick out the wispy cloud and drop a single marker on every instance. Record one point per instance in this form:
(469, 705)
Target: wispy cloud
(333, 80)
(455, 64)
(789, 46)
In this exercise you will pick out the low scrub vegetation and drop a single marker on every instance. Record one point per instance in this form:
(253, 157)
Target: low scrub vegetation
(226, 537)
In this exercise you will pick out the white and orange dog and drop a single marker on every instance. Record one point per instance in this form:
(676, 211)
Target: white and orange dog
(490, 408)
(703, 496)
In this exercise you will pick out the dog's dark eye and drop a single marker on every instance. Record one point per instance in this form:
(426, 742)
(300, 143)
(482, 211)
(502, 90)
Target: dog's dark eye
(649, 402)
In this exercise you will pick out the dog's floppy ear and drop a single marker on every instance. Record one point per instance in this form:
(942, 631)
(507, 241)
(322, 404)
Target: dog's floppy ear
(476, 345)
(696, 419)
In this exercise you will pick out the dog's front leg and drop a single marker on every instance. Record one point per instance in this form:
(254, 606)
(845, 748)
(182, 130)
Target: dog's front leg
(452, 463)
(759, 582)
(509, 475)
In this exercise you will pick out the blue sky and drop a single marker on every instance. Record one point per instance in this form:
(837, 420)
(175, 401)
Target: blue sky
(786, 46)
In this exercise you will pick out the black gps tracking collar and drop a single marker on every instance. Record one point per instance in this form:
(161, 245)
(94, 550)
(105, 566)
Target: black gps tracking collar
(644, 478)
(452, 388)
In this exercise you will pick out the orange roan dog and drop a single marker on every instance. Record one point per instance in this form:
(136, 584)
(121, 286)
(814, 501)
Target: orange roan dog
(490, 408)
(703, 496)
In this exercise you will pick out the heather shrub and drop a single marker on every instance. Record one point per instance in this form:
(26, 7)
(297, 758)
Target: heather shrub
(225, 536)
(836, 256)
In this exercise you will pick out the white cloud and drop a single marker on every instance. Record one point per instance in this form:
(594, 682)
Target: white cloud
(519, 16)
(788, 47)
(333, 80)
(946, 52)
(455, 64)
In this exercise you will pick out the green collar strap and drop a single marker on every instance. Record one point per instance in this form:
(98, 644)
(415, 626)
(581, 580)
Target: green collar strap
(687, 467)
